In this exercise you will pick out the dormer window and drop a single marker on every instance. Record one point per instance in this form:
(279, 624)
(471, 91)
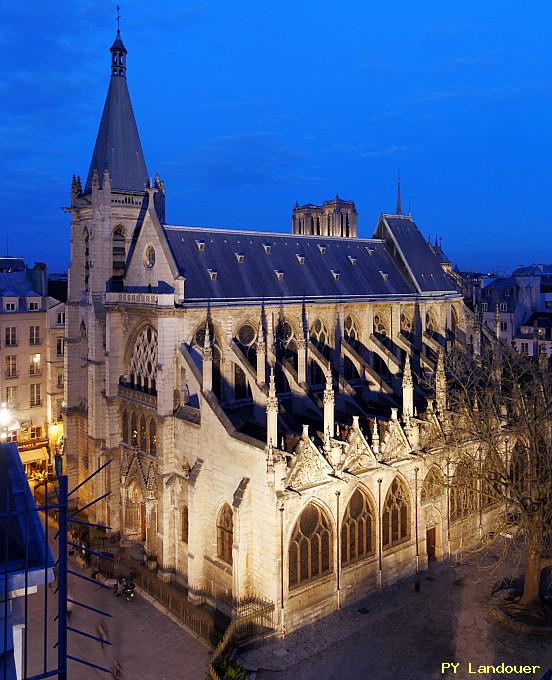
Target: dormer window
(300, 258)
(267, 248)
(240, 257)
(352, 260)
(370, 251)
(384, 275)
(279, 274)
(336, 274)
(212, 274)
(200, 245)
(322, 248)
(10, 306)
(34, 306)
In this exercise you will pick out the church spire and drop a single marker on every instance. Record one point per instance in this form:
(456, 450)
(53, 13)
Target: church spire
(118, 146)
(399, 210)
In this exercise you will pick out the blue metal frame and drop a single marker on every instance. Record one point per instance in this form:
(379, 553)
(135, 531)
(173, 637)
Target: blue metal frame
(27, 561)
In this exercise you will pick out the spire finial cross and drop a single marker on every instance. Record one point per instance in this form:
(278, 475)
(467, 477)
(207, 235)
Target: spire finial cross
(118, 18)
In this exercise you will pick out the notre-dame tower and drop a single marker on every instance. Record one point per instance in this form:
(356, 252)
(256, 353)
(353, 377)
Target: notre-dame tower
(107, 214)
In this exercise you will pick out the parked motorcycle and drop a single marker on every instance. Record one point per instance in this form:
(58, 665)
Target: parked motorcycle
(124, 588)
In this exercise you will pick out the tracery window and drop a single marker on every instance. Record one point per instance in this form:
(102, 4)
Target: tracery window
(225, 534)
(310, 548)
(184, 524)
(433, 485)
(519, 472)
(320, 338)
(143, 362)
(285, 343)
(463, 492)
(406, 325)
(357, 540)
(246, 340)
(152, 437)
(491, 486)
(352, 333)
(430, 324)
(380, 325)
(396, 515)
(118, 254)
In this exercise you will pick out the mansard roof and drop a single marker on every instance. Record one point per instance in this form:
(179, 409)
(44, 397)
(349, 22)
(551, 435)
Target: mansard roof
(118, 146)
(422, 266)
(241, 265)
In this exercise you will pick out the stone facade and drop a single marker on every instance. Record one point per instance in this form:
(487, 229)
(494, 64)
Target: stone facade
(257, 444)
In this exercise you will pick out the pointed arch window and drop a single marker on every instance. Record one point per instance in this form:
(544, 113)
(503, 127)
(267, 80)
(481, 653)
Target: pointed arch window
(143, 362)
(430, 325)
(310, 548)
(285, 345)
(433, 485)
(143, 438)
(352, 333)
(225, 534)
(463, 492)
(491, 486)
(406, 325)
(184, 524)
(246, 340)
(86, 241)
(118, 252)
(396, 515)
(357, 530)
(320, 337)
(242, 390)
(133, 430)
(152, 437)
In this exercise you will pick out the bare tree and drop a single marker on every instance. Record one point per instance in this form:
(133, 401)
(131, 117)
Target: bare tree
(496, 415)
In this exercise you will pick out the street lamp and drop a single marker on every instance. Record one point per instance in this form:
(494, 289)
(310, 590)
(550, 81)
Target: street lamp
(5, 420)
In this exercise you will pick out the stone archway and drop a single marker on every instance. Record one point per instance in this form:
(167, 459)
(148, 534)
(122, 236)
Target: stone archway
(433, 534)
(135, 512)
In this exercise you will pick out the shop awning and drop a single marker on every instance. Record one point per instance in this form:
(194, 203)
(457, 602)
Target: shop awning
(34, 455)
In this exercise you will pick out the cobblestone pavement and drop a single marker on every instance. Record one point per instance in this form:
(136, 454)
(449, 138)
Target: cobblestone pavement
(146, 642)
(406, 635)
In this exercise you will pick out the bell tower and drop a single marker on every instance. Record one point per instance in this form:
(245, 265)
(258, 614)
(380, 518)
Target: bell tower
(107, 213)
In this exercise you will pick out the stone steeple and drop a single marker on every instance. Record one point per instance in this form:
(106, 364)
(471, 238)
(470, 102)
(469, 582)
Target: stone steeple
(118, 147)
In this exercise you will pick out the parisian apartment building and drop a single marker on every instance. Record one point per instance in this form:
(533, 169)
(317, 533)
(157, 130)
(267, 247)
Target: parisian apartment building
(31, 354)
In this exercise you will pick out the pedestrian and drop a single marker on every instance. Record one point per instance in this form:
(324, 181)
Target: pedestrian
(117, 671)
(103, 633)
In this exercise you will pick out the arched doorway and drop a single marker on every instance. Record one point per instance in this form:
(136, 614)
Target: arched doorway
(135, 512)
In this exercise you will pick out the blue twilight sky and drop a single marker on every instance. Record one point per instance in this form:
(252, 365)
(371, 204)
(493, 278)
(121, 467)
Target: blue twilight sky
(246, 107)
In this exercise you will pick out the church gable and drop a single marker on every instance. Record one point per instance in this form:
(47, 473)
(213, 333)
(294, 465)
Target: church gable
(358, 454)
(309, 466)
(150, 260)
(395, 444)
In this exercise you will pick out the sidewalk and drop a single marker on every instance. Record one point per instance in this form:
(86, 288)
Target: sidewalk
(398, 633)
(147, 643)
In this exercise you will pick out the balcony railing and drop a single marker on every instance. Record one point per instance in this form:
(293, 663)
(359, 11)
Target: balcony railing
(137, 395)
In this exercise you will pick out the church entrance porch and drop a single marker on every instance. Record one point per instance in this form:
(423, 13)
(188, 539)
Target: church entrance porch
(135, 513)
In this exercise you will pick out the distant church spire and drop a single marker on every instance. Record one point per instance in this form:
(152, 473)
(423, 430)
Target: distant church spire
(399, 210)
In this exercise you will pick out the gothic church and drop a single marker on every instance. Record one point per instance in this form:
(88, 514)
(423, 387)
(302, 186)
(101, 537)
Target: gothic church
(257, 392)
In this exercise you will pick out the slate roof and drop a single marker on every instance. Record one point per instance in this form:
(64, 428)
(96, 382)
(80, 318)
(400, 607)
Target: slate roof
(349, 268)
(118, 144)
(16, 284)
(422, 264)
